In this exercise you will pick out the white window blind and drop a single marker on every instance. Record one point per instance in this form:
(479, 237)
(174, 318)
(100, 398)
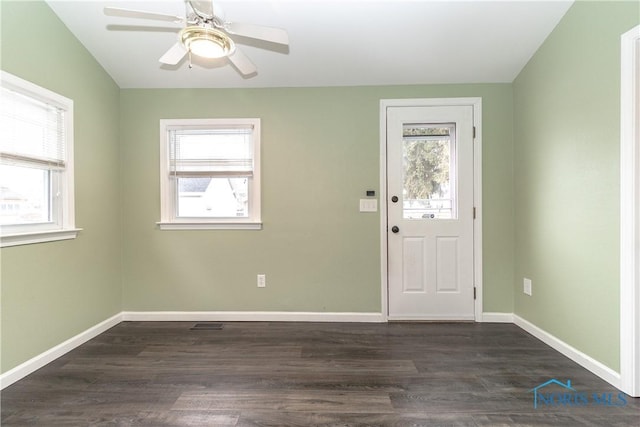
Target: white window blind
(211, 152)
(32, 132)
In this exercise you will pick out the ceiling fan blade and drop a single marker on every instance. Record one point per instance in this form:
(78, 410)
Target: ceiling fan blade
(203, 7)
(128, 13)
(174, 54)
(147, 28)
(270, 34)
(242, 63)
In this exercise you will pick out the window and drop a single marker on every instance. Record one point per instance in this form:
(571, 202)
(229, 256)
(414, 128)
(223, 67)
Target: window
(429, 171)
(36, 164)
(210, 174)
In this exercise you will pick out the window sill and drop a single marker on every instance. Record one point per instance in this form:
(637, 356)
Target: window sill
(38, 237)
(210, 225)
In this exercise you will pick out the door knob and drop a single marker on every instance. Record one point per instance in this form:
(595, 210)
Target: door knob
(394, 199)
(395, 229)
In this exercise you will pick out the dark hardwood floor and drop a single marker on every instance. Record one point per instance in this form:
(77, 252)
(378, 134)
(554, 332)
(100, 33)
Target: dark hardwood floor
(312, 374)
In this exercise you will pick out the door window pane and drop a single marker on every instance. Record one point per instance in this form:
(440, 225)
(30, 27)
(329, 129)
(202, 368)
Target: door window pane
(429, 159)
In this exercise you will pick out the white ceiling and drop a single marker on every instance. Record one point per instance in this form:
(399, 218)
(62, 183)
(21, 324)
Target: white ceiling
(332, 43)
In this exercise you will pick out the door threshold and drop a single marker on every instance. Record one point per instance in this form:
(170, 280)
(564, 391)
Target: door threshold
(429, 321)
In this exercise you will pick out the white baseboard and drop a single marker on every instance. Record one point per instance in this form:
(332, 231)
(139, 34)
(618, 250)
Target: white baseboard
(37, 362)
(497, 317)
(250, 316)
(587, 362)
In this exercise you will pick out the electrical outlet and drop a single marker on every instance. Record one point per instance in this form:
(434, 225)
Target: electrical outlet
(527, 286)
(262, 280)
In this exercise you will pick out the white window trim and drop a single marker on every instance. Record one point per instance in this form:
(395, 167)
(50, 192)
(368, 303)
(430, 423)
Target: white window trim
(39, 237)
(168, 221)
(68, 229)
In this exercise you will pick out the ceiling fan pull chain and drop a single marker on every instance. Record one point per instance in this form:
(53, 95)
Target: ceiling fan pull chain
(190, 64)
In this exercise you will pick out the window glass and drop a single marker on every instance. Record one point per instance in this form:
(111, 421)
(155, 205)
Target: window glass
(25, 195)
(429, 161)
(213, 197)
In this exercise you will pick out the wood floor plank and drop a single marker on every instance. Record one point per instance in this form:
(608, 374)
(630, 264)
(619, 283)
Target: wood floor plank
(223, 351)
(306, 419)
(313, 401)
(191, 418)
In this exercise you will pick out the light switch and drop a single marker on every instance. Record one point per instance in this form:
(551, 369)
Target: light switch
(368, 205)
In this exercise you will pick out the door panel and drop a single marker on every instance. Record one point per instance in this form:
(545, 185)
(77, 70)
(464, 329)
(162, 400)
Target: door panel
(430, 172)
(413, 265)
(447, 264)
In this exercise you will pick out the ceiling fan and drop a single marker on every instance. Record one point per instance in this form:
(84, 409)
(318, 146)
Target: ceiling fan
(206, 34)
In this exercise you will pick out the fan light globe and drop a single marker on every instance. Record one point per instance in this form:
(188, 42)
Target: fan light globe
(206, 48)
(206, 42)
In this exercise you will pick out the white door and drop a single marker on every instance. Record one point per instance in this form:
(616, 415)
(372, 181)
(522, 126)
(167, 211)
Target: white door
(430, 212)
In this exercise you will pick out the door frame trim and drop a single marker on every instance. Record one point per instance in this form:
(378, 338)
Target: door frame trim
(629, 215)
(476, 103)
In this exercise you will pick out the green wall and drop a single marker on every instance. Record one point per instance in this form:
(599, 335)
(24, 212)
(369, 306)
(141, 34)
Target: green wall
(320, 153)
(566, 163)
(53, 291)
